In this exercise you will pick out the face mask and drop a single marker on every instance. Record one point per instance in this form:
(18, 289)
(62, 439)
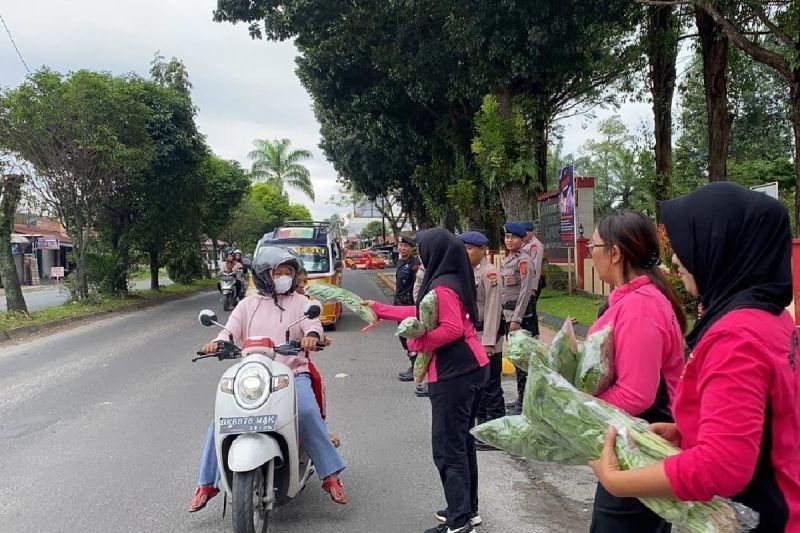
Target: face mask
(282, 284)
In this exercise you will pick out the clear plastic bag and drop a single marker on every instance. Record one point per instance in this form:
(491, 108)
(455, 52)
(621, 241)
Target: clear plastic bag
(326, 292)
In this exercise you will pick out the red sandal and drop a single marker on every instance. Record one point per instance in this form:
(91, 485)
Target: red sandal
(201, 497)
(333, 486)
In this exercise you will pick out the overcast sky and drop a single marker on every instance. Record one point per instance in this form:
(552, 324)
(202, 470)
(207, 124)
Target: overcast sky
(244, 89)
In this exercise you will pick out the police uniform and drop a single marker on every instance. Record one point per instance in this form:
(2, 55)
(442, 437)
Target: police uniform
(405, 276)
(517, 273)
(488, 324)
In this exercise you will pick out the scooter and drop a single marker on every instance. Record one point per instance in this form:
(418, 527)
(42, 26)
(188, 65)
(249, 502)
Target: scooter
(229, 289)
(261, 461)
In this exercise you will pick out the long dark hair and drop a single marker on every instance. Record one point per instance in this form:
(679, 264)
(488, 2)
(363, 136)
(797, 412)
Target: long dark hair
(637, 239)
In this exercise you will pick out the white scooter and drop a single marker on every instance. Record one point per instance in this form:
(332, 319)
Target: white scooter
(255, 427)
(229, 290)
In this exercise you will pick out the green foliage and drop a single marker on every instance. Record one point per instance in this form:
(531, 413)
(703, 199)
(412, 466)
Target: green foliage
(298, 212)
(373, 229)
(226, 185)
(183, 262)
(276, 163)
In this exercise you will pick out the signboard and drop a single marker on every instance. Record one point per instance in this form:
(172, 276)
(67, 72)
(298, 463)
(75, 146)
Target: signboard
(566, 204)
(57, 272)
(770, 189)
(550, 230)
(47, 243)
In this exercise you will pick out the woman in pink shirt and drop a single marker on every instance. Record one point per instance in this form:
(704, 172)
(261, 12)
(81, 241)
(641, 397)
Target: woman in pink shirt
(737, 405)
(456, 374)
(268, 314)
(647, 322)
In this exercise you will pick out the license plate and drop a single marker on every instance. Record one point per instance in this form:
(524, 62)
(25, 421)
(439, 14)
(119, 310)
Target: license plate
(247, 424)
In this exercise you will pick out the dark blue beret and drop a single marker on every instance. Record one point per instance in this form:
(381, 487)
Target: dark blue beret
(408, 240)
(516, 228)
(529, 225)
(475, 238)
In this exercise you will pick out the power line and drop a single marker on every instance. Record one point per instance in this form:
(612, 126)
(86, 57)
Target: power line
(14, 44)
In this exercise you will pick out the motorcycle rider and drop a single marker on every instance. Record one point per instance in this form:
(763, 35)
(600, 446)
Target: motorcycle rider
(267, 313)
(232, 266)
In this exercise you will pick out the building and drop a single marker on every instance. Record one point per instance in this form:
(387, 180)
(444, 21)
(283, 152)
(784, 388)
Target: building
(39, 244)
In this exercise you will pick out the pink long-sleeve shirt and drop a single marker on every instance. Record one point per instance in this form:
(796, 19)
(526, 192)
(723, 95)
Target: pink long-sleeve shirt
(742, 377)
(454, 324)
(648, 344)
(258, 315)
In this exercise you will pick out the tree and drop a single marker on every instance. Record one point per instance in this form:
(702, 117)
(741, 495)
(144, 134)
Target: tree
(85, 135)
(373, 230)
(274, 162)
(263, 209)
(769, 34)
(10, 193)
(298, 212)
(662, 53)
(172, 73)
(226, 185)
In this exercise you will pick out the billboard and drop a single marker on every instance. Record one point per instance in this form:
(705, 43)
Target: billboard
(566, 204)
(366, 209)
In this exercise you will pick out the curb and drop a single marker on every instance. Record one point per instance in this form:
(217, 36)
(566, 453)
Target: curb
(24, 331)
(555, 322)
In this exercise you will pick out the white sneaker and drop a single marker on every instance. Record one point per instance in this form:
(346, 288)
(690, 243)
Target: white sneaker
(474, 519)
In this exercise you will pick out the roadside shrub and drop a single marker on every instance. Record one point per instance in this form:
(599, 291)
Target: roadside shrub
(184, 262)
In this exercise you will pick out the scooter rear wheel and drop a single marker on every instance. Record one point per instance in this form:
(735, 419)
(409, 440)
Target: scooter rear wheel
(250, 514)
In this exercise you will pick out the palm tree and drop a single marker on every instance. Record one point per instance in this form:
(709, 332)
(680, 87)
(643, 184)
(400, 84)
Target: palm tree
(273, 161)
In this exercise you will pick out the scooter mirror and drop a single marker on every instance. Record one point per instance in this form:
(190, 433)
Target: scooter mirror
(312, 309)
(207, 317)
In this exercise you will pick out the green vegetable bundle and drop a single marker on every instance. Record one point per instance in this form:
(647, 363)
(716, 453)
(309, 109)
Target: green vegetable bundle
(326, 292)
(410, 328)
(563, 424)
(429, 318)
(589, 365)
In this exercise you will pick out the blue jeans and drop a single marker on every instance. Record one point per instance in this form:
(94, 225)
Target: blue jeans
(313, 435)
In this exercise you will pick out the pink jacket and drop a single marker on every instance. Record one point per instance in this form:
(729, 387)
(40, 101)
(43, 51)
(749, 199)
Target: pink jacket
(454, 323)
(742, 365)
(647, 343)
(258, 315)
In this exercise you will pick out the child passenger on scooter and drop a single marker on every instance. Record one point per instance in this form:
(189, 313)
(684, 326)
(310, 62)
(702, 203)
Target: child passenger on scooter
(268, 313)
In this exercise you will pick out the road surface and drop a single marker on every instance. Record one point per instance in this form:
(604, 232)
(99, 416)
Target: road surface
(101, 428)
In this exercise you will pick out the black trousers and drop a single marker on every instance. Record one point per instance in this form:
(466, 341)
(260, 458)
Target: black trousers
(624, 515)
(491, 404)
(454, 403)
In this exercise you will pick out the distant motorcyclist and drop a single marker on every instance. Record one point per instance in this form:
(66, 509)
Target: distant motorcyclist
(232, 266)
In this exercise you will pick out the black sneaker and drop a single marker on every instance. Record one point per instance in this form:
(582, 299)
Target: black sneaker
(422, 390)
(474, 518)
(515, 409)
(442, 528)
(408, 375)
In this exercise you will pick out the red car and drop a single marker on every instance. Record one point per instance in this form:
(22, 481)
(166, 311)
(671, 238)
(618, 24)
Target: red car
(364, 259)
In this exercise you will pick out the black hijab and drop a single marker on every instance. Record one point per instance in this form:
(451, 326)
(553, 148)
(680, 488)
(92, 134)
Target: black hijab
(446, 264)
(737, 245)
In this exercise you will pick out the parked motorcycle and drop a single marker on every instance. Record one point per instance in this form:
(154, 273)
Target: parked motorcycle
(261, 461)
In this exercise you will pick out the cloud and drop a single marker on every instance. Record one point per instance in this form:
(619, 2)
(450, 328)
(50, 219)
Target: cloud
(244, 89)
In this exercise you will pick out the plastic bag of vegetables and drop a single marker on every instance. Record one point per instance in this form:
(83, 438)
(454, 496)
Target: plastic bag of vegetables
(595, 370)
(410, 328)
(326, 292)
(522, 345)
(429, 318)
(517, 435)
(576, 422)
(564, 354)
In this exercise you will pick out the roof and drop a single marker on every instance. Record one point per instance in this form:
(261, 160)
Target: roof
(44, 227)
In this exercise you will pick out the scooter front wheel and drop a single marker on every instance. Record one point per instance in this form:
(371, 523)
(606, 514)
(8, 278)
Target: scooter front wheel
(250, 512)
(227, 301)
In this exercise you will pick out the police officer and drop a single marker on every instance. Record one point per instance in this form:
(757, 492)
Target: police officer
(407, 266)
(518, 276)
(535, 250)
(488, 324)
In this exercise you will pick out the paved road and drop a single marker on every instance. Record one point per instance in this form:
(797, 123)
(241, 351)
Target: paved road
(58, 294)
(101, 427)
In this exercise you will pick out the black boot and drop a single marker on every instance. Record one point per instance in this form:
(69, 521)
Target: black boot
(408, 375)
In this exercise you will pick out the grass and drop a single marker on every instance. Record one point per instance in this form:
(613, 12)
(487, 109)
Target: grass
(75, 309)
(143, 273)
(582, 307)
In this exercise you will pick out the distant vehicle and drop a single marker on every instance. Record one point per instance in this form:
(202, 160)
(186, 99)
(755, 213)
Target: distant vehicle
(321, 253)
(386, 256)
(364, 259)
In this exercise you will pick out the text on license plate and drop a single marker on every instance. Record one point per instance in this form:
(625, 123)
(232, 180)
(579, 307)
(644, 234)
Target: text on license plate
(247, 424)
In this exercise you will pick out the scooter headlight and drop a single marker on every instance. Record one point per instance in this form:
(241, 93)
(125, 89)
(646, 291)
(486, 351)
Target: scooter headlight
(252, 385)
